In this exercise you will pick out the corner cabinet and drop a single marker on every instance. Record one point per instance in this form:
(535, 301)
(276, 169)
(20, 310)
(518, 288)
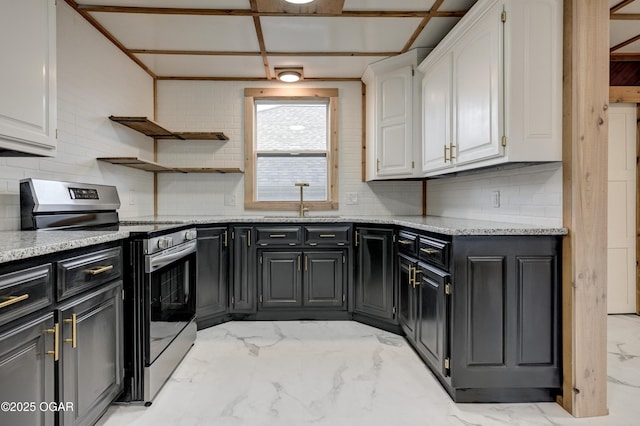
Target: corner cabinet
(212, 284)
(492, 89)
(28, 85)
(393, 116)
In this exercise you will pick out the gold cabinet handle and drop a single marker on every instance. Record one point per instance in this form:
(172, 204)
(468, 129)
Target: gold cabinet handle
(357, 235)
(378, 166)
(411, 275)
(56, 349)
(298, 263)
(98, 270)
(306, 258)
(327, 235)
(451, 146)
(277, 235)
(249, 238)
(415, 277)
(225, 238)
(73, 340)
(13, 299)
(429, 250)
(404, 242)
(445, 153)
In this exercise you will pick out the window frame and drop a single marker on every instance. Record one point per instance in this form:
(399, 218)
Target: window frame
(251, 95)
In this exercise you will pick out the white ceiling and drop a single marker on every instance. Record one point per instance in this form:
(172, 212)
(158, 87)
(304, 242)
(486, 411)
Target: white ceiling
(307, 41)
(228, 46)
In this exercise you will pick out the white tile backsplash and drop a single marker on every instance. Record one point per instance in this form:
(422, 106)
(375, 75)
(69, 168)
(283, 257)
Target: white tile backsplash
(531, 194)
(94, 80)
(219, 106)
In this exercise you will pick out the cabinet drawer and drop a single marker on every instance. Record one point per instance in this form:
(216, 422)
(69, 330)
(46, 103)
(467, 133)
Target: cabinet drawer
(25, 291)
(279, 235)
(435, 252)
(408, 243)
(326, 235)
(80, 273)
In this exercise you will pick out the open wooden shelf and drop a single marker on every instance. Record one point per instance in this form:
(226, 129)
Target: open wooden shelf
(150, 166)
(155, 130)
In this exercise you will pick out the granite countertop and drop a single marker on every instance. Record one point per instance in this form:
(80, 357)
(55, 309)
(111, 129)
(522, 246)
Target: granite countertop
(437, 224)
(17, 245)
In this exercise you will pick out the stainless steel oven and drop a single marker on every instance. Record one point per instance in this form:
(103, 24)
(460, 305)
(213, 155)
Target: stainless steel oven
(160, 276)
(162, 309)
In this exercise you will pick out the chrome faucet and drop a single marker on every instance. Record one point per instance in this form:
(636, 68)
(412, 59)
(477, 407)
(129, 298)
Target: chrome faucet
(302, 207)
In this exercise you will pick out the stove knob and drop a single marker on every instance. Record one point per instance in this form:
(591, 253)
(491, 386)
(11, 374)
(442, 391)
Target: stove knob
(191, 234)
(165, 243)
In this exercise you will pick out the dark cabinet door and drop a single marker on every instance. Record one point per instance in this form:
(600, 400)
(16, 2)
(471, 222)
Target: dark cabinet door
(91, 354)
(213, 256)
(27, 371)
(280, 279)
(324, 279)
(432, 332)
(407, 289)
(243, 298)
(374, 282)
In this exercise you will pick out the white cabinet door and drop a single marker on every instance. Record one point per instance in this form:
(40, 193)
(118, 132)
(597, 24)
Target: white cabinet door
(394, 123)
(27, 76)
(436, 115)
(477, 89)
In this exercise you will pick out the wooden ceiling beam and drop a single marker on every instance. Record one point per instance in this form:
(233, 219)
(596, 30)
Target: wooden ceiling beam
(620, 5)
(624, 43)
(421, 26)
(243, 53)
(110, 37)
(625, 16)
(624, 57)
(249, 12)
(203, 78)
(260, 35)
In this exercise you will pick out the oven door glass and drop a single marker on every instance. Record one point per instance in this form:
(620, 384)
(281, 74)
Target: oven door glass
(171, 303)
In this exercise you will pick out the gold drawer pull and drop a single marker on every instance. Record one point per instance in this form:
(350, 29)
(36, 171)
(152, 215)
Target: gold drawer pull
(429, 250)
(327, 235)
(56, 350)
(73, 340)
(277, 235)
(405, 242)
(13, 299)
(98, 270)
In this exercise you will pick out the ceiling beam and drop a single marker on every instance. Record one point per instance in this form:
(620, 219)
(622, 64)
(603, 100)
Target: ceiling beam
(421, 26)
(249, 12)
(325, 6)
(620, 6)
(110, 37)
(260, 35)
(624, 43)
(203, 78)
(269, 53)
(625, 57)
(624, 16)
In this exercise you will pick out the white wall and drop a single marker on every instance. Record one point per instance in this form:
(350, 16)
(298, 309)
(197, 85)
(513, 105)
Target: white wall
(219, 106)
(531, 194)
(95, 80)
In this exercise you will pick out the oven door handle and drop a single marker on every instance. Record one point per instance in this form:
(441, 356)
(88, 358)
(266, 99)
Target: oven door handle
(159, 260)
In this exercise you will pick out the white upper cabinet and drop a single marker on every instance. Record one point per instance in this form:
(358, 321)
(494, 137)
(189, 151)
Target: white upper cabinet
(27, 78)
(505, 83)
(392, 114)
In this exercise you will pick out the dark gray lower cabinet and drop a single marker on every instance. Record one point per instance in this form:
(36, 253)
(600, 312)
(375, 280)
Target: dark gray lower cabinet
(408, 296)
(213, 258)
(374, 288)
(243, 297)
(27, 371)
(302, 279)
(505, 338)
(91, 365)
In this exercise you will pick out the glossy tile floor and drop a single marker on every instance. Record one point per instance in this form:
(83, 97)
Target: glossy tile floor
(346, 373)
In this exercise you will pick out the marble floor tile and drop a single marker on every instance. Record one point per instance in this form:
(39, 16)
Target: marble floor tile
(346, 373)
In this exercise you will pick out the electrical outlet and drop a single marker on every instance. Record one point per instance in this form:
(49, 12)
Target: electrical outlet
(230, 200)
(352, 198)
(495, 199)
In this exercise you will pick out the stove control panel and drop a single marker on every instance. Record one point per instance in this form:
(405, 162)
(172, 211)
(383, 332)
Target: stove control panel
(164, 242)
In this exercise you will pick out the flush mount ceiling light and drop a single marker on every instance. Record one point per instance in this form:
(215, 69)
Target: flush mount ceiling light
(299, 1)
(289, 75)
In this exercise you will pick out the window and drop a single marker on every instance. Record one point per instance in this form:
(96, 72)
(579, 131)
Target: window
(291, 137)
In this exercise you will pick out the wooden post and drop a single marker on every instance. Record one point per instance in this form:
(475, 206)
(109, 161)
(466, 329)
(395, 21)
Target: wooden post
(585, 127)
